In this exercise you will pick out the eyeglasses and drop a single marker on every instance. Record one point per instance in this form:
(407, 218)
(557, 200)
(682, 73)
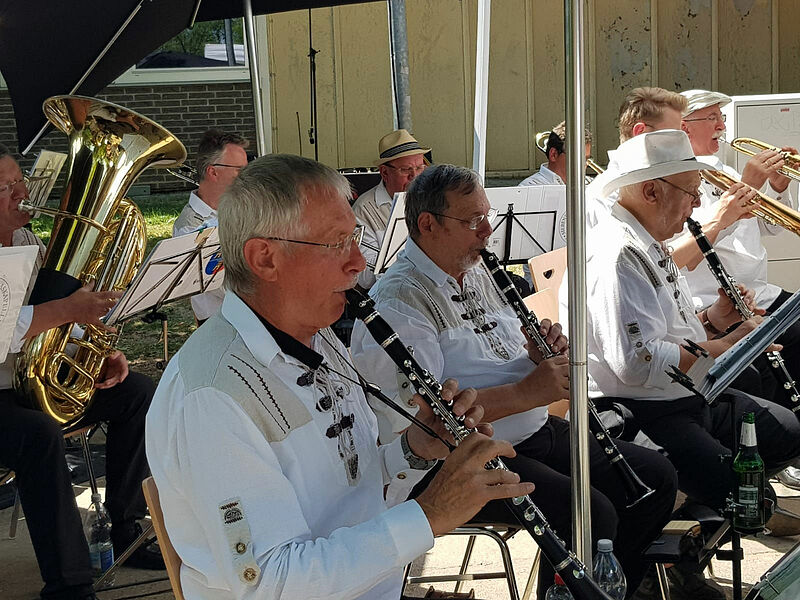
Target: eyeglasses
(694, 196)
(408, 171)
(710, 118)
(341, 248)
(5, 190)
(237, 167)
(474, 222)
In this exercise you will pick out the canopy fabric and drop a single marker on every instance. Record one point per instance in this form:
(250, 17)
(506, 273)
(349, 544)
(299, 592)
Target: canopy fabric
(46, 47)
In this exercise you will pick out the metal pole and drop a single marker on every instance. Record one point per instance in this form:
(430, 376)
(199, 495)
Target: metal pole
(576, 259)
(481, 87)
(255, 81)
(398, 41)
(229, 51)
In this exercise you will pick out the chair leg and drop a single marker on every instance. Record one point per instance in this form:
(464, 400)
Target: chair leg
(12, 528)
(530, 587)
(87, 455)
(120, 560)
(465, 561)
(663, 583)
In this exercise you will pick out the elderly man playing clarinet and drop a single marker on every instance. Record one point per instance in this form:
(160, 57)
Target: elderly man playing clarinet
(441, 300)
(640, 312)
(260, 440)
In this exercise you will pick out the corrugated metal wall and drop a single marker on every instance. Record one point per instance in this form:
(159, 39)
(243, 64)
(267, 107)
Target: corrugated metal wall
(735, 46)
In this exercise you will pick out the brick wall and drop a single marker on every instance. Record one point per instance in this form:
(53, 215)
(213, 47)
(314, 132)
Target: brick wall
(187, 110)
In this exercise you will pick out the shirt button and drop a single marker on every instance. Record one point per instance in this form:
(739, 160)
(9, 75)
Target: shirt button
(241, 548)
(410, 402)
(249, 574)
(401, 475)
(648, 358)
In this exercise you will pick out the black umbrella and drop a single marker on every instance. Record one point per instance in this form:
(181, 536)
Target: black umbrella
(80, 46)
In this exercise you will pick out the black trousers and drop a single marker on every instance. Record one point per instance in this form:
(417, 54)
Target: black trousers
(790, 340)
(544, 459)
(695, 435)
(32, 444)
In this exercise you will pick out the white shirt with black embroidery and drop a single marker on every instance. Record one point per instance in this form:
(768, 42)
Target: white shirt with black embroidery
(304, 528)
(638, 312)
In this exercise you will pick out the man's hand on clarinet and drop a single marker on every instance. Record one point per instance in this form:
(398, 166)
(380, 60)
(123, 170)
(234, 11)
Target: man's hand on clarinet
(463, 484)
(553, 337)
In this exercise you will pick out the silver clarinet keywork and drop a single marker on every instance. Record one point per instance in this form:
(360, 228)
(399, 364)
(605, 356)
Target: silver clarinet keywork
(564, 562)
(728, 285)
(635, 489)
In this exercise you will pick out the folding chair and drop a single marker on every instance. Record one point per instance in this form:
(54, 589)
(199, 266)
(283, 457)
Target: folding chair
(171, 558)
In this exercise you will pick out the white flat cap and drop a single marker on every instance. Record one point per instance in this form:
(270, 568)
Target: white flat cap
(702, 99)
(650, 156)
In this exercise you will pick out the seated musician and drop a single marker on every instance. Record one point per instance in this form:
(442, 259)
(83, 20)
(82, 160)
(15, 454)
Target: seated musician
(643, 109)
(261, 443)
(442, 301)
(220, 157)
(400, 159)
(640, 310)
(32, 443)
(554, 171)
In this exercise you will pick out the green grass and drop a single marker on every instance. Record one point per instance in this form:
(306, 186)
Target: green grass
(142, 342)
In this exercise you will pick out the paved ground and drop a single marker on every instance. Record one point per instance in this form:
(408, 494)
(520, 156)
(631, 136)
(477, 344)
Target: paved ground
(19, 575)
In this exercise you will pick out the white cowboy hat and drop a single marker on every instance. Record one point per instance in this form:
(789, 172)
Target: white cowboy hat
(397, 144)
(650, 156)
(703, 99)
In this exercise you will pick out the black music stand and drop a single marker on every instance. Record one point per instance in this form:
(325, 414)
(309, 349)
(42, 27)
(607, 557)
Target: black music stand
(176, 268)
(531, 221)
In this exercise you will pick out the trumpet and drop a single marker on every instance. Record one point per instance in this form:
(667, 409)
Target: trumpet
(791, 167)
(768, 209)
(594, 166)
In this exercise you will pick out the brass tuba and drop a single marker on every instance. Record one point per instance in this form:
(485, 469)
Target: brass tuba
(98, 237)
(771, 211)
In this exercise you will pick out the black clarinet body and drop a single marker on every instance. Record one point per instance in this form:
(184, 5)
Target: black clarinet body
(728, 285)
(636, 490)
(565, 563)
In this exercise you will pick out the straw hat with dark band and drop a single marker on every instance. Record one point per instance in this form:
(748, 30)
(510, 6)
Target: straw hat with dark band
(397, 144)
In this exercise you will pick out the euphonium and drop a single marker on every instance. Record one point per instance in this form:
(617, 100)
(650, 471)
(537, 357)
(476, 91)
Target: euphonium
(98, 237)
(766, 208)
(791, 162)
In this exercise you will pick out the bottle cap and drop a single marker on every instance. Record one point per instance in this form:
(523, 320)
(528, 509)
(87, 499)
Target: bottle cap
(96, 498)
(559, 580)
(605, 546)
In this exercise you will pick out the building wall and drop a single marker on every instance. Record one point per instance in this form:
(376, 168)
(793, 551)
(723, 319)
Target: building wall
(186, 110)
(735, 46)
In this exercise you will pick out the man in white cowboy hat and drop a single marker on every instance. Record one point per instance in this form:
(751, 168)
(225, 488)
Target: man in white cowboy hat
(400, 159)
(640, 311)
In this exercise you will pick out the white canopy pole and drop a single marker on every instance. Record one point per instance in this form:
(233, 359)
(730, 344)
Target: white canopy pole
(576, 261)
(481, 87)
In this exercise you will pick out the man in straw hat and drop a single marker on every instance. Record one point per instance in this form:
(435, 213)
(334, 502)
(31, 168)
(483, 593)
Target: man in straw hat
(640, 311)
(400, 159)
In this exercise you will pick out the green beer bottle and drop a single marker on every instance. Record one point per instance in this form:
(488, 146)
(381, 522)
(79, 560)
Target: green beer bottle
(749, 469)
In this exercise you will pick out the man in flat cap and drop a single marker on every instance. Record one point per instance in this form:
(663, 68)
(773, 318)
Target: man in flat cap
(400, 159)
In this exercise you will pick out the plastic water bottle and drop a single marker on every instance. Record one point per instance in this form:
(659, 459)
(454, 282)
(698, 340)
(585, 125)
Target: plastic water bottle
(608, 572)
(558, 591)
(97, 528)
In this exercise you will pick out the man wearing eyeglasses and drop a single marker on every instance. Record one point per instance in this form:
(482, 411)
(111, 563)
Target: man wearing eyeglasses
(442, 301)
(220, 157)
(259, 437)
(32, 442)
(400, 159)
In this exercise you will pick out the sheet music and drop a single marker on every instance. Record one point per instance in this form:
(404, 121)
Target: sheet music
(539, 226)
(176, 268)
(16, 267)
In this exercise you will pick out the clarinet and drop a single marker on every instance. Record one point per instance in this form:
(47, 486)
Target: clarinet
(636, 490)
(565, 563)
(728, 285)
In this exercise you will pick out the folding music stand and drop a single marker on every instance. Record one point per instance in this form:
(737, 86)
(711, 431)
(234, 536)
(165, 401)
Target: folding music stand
(531, 221)
(16, 267)
(176, 268)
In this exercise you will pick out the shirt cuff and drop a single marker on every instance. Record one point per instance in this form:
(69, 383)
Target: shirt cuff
(23, 325)
(410, 530)
(665, 355)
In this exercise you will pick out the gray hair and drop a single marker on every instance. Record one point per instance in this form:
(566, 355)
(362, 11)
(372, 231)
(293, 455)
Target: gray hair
(266, 200)
(212, 145)
(427, 192)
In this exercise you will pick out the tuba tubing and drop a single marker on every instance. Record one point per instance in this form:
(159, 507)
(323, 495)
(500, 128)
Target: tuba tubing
(98, 237)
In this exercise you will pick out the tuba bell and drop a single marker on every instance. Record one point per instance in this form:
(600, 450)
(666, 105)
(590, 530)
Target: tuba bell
(98, 237)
